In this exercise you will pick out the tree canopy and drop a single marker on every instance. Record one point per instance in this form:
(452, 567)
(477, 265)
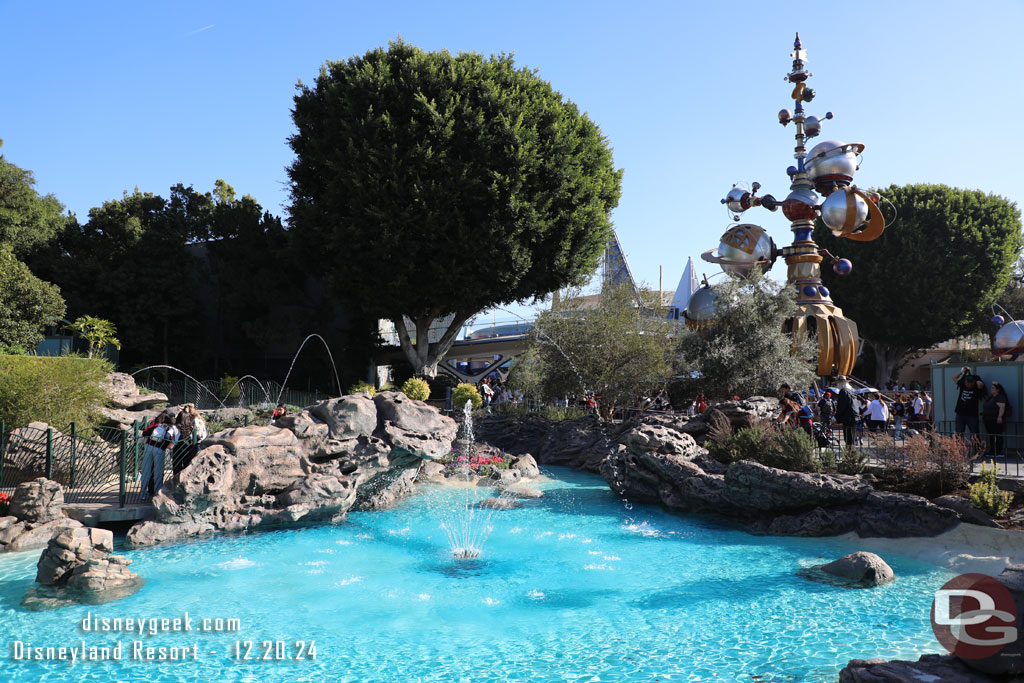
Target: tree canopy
(27, 219)
(743, 350)
(427, 184)
(620, 349)
(932, 275)
(27, 304)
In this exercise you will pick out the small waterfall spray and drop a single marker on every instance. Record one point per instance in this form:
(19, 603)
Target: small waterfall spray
(337, 382)
(171, 367)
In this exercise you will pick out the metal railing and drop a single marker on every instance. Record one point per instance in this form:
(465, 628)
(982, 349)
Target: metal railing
(94, 465)
(211, 394)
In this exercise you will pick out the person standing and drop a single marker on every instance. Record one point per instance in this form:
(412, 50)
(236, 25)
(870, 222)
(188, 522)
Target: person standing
(846, 410)
(190, 423)
(971, 392)
(488, 393)
(878, 414)
(827, 408)
(994, 412)
(161, 437)
(917, 410)
(899, 413)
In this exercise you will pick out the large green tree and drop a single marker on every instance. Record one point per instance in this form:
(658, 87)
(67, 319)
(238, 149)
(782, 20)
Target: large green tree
(932, 275)
(27, 221)
(427, 185)
(27, 304)
(743, 350)
(621, 349)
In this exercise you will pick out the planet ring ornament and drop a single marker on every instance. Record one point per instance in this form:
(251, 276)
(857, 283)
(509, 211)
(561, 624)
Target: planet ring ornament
(742, 248)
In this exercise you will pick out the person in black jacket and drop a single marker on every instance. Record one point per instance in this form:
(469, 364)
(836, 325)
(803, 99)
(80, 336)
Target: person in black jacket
(846, 410)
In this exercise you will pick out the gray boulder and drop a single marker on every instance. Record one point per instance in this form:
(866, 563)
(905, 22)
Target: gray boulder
(124, 394)
(927, 669)
(867, 569)
(524, 492)
(967, 512)
(414, 428)
(39, 501)
(818, 522)
(751, 485)
(526, 466)
(347, 417)
(899, 515)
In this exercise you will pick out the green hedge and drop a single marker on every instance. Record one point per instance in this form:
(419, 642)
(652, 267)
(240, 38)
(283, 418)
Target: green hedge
(56, 390)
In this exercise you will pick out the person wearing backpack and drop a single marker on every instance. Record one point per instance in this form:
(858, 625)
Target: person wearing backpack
(161, 437)
(995, 412)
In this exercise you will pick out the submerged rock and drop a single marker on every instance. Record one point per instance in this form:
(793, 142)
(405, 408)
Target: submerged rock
(309, 468)
(861, 567)
(500, 503)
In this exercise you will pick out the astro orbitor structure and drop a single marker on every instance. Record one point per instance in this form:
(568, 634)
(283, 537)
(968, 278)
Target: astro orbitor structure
(821, 184)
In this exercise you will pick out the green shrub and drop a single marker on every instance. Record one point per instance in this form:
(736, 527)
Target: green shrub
(986, 494)
(361, 387)
(229, 387)
(852, 461)
(827, 460)
(56, 390)
(720, 435)
(417, 389)
(756, 442)
(794, 451)
(439, 385)
(466, 392)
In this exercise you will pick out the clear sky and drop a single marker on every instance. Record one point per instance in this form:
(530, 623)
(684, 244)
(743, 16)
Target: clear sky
(102, 97)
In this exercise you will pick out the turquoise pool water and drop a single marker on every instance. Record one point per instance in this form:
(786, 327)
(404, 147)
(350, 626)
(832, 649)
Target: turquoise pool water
(574, 587)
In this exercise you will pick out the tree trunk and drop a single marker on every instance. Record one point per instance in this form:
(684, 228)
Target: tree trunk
(887, 360)
(422, 355)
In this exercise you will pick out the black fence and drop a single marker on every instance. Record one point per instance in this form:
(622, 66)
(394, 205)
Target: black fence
(245, 393)
(94, 465)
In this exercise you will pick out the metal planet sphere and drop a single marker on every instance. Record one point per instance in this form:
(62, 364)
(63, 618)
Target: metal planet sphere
(833, 159)
(998, 320)
(1009, 339)
(743, 247)
(835, 211)
(701, 309)
(737, 200)
(843, 266)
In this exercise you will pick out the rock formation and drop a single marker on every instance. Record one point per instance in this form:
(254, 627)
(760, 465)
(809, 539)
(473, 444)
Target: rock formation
(36, 516)
(944, 668)
(77, 568)
(863, 568)
(126, 404)
(308, 468)
(769, 500)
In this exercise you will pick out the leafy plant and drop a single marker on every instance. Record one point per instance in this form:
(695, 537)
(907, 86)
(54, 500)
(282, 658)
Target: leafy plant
(416, 388)
(986, 494)
(719, 441)
(934, 465)
(362, 387)
(756, 442)
(98, 332)
(466, 392)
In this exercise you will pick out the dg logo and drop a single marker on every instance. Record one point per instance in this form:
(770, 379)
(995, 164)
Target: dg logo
(974, 616)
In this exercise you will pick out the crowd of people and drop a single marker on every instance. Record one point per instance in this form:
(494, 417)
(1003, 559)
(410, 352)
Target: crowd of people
(175, 431)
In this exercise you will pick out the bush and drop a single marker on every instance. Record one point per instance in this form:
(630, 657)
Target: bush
(439, 385)
(361, 387)
(794, 451)
(986, 495)
(417, 389)
(851, 462)
(466, 392)
(230, 387)
(936, 465)
(719, 441)
(54, 390)
(756, 442)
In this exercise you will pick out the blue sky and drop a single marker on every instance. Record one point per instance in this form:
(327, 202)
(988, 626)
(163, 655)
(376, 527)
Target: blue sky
(103, 97)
